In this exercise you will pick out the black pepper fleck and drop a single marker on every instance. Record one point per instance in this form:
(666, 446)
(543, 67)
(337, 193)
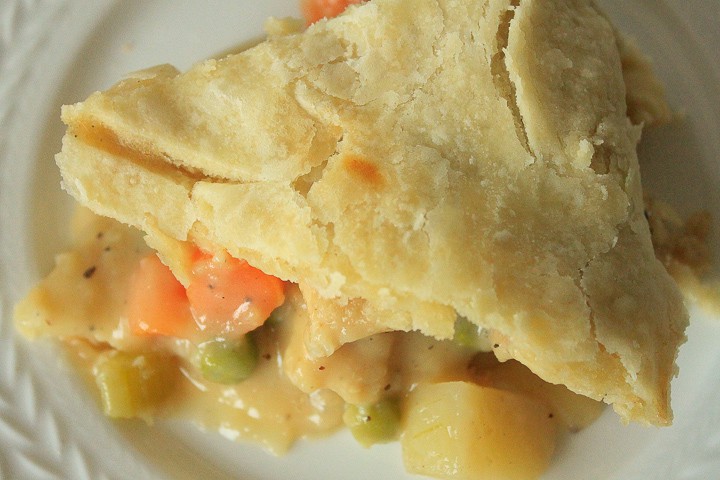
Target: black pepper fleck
(89, 272)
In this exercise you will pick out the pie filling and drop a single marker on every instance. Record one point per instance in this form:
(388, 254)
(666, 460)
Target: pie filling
(156, 349)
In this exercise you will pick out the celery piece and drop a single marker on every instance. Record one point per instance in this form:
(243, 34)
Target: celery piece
(131, 385)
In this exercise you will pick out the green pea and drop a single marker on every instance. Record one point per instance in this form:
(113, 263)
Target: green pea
(467, 334)
(377, 423)
(227, 361)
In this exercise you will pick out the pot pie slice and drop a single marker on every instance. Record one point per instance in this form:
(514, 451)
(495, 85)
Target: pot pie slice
(427, 158)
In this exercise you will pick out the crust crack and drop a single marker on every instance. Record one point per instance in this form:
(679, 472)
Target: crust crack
(501, 75)
(96, 135)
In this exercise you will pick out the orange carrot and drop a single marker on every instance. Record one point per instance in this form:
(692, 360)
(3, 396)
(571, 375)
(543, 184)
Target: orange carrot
(229, 298)
(226, 298)
(314, 10)
(157, 302)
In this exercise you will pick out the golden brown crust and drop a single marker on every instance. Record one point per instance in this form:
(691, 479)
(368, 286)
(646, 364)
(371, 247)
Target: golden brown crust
(430, 158)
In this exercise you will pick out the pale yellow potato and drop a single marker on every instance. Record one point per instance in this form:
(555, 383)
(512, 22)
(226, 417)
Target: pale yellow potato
(460, 430)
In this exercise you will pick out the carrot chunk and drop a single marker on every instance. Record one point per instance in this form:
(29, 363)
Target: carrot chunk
(157, 302)
(229, 297)
(314, 10)
(226, 298)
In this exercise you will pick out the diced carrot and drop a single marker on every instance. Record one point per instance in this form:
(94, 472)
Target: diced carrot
(314, 10)
(226, 297)
(157, 302)
(229, 298)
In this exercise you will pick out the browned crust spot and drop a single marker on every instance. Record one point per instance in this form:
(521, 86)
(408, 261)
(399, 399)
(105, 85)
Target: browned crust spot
(363, 169)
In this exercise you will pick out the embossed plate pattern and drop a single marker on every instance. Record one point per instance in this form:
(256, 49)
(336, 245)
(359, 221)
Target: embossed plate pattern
(57, 51)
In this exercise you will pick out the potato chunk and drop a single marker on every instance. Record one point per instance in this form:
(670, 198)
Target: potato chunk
(461, 430)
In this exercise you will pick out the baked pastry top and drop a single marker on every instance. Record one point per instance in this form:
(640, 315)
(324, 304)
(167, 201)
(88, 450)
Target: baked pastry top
(408, 162)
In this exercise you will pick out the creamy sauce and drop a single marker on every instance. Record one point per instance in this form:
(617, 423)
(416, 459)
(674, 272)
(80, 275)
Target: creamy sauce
(266, 408)
(84, 296)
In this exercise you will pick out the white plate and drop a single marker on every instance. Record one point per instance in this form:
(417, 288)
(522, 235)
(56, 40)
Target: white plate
(54, 52)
